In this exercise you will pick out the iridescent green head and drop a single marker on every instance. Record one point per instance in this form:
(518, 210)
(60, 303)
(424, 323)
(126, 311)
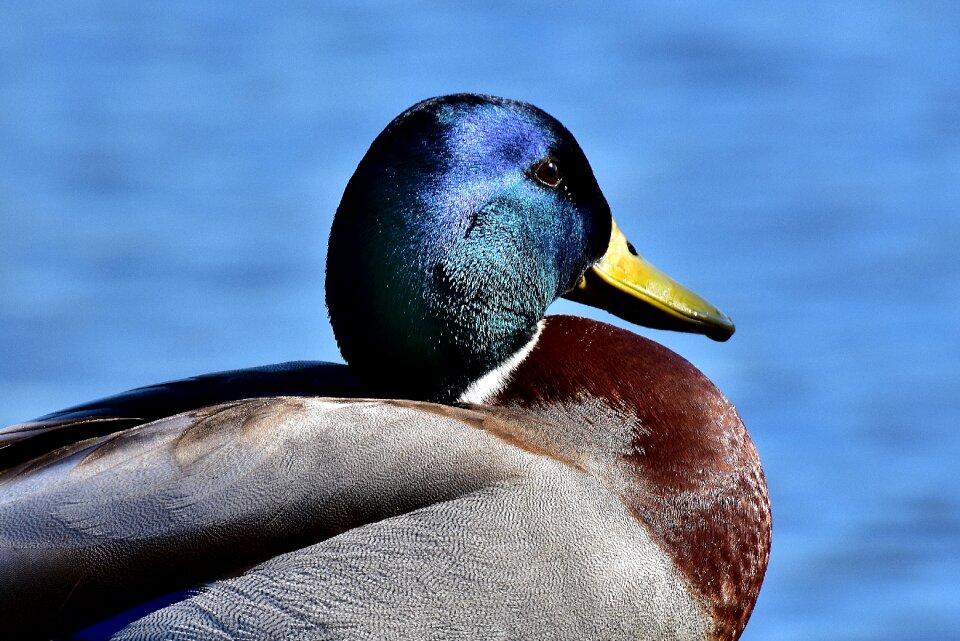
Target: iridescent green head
(466, 218)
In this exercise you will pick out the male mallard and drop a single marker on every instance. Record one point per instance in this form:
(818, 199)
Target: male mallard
(525, 478)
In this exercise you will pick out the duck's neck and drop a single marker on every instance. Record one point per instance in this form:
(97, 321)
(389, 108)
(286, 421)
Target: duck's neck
(660, 433)
(494, 381)
(433, 328)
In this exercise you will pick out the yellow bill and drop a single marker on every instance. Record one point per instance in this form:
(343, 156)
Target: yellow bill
(626, 285)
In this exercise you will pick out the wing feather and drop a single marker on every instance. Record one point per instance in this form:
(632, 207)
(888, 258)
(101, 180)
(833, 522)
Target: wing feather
(99, 525)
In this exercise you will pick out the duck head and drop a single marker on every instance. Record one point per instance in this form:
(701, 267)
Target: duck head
(468, 216)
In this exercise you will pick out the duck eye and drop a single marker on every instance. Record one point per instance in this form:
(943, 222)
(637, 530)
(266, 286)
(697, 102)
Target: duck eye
(548, 173)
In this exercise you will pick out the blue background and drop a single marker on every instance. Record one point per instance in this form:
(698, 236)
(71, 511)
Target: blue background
(168, 172)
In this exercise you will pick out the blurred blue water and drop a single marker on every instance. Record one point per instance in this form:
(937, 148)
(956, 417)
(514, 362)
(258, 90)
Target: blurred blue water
(168, 172)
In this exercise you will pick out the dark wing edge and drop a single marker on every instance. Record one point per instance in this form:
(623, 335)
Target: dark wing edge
(24, 441)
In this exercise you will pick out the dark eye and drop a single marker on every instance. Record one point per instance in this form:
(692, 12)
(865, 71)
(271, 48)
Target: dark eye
(548, 173)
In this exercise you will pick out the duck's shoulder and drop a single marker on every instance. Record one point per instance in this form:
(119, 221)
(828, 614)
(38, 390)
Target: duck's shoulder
(673, 444)
(146, 404)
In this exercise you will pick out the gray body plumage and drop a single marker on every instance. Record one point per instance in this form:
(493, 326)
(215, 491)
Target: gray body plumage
(396, 519)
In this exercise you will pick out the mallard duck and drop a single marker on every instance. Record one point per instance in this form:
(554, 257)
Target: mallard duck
(479, 471)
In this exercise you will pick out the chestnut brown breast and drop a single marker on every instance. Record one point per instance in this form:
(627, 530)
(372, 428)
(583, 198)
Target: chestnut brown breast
(668, 442)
